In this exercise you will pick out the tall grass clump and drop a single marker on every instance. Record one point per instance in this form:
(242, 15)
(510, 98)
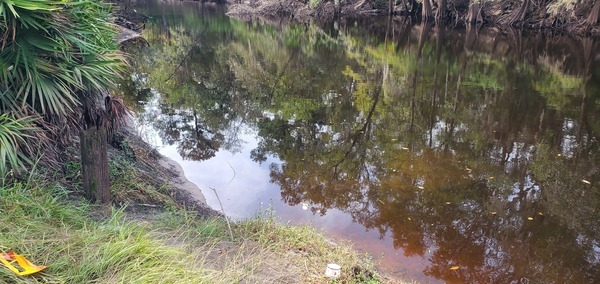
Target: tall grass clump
(35, 223)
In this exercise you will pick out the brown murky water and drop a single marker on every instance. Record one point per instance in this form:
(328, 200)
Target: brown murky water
(459, 156)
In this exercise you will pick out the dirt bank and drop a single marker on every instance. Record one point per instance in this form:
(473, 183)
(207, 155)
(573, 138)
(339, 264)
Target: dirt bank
(149, 167)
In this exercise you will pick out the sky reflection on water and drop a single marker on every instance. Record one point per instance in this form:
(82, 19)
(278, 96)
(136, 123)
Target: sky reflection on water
(437, 148)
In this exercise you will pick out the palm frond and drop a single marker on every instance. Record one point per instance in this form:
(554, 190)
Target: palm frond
(56, 49)
(53, 55)
(118, 113)
(14, 144)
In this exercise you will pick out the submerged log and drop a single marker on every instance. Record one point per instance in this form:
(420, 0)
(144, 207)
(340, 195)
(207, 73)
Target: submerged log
(94, 162)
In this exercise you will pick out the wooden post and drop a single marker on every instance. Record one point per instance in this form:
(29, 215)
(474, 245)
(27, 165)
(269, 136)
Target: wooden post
(94, 162)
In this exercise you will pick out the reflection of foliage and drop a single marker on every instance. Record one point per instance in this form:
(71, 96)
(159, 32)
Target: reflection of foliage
(423, 144)
(563, 189)
(556, 85)
(193, 141)
(196, 86)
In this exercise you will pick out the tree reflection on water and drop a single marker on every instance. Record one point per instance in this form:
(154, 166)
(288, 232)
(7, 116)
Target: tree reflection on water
(474, 150)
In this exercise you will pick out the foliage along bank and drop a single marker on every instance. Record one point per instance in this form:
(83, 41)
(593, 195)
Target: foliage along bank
(574, 17)
(58, 62)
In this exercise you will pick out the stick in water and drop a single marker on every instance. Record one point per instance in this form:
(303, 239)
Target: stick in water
(225, 215)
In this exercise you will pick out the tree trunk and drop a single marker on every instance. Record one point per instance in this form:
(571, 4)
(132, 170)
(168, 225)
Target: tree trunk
(423, 34)
(440, 14)
(471, 37)
(426, 13)
(474, 16)
(94, 162)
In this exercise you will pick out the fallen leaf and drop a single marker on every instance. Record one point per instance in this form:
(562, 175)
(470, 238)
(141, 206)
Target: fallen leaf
(494, 213)
(456, 267)
(404, 148)
(585, 181)
(447, 203)
(540, 213)
(420, 187)
(491, 177)
(530, 218)
(559, 154)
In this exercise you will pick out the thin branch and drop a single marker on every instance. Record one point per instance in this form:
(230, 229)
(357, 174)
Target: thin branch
(224, 215)
(233, 174)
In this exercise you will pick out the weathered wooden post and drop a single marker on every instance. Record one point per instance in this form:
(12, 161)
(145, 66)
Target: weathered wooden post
(94, 162)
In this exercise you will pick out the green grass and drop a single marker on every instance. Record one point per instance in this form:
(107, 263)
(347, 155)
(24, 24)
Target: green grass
(83, 243)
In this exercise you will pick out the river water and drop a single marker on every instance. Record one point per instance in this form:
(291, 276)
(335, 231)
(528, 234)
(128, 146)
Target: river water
(449, 155)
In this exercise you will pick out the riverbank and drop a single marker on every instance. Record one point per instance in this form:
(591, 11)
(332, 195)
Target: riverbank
(566, 17)
(157, 231)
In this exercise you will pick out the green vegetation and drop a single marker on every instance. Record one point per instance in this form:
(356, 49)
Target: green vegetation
(162, 247)
(56, 59)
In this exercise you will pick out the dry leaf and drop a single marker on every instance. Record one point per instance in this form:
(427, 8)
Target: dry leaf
(585, 181)
(530, 218)
(456, 267)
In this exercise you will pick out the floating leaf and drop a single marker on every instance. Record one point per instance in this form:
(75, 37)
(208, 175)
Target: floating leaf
(456, 267)
(585, 181)
(530, 218)
(420, 187)
(540, 213)
(559, 154)
(494, 213)
(491, 177)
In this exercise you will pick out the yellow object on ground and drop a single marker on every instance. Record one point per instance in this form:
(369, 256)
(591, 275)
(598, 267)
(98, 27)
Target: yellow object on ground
(27, 267)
